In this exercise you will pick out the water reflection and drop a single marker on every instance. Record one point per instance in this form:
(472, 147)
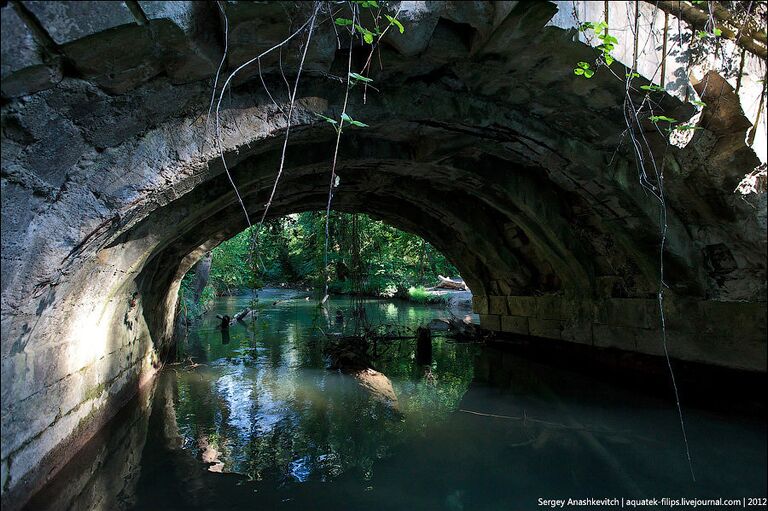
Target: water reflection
(266, 407)
(262, 424)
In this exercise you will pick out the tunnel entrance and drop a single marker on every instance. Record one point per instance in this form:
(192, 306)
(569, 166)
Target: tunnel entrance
(361, 259)
(366, 257)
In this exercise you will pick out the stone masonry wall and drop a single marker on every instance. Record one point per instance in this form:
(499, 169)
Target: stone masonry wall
(722, 333)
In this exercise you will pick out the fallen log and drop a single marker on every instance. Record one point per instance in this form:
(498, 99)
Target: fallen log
(462, 330)
(446, 283)
(241, 316)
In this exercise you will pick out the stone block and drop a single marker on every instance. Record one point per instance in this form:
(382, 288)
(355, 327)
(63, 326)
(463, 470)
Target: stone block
(24, 66)
(29, 455)
(521, 305)
(497, 305)
(680, 314)
(69, 21)
(577, 330)
(514, 325)
(547, 328)
(612, 336)
(736, 352)
(480, 304)
(745, 320)
(490, 322)
(549, 307)
(625, 312)
(187, 33)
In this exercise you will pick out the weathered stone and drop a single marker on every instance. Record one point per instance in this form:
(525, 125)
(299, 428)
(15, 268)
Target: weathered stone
(522, 305)
(480, 304)
(629, 312)
(490, 322)
(24, 67)
(547, 328)
(481, 140)
(624, 338)
(577, 330)
(498, 305)
(514, 325)
(186, 31)
(69, 21)
(550, 307)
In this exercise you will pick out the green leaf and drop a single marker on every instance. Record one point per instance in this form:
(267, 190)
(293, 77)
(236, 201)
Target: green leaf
(588, 73)
(358, 123)
(702, 34)
(660, 118)
(578, 71)
(328, 119)
(396, 22)
(652, 87)
(608, 59)
(586, 26)
(342, 22)
(367, 34)
(583, 65)
(360, 78)
(632, 75)
(345, 117)
(699, 103)
(717, 32)
(606, 48)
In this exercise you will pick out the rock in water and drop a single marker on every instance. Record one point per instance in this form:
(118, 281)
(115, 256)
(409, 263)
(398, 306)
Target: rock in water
(378, 385)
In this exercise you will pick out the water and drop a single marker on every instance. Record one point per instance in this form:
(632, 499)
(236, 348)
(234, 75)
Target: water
(261, 423)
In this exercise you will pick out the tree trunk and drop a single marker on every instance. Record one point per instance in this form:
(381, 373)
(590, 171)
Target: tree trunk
(202, 271)
(751, 40)
(446, 283)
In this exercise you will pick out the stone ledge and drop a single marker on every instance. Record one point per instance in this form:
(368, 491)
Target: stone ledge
(731, 334)
(515, 325)
(548, 328)
(490, 322)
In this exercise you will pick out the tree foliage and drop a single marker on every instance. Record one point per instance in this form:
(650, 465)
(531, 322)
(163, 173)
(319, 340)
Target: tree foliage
(366, 256)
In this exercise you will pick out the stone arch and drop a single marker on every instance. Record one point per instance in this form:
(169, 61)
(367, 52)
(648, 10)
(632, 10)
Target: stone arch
(480, 141)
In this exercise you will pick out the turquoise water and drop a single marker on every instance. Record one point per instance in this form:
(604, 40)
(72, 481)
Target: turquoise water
(261, 423)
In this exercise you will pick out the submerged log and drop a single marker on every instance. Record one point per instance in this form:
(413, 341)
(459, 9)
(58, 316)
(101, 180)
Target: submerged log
(377, 385)
(350, 356)
(241, 316)
(462, 330)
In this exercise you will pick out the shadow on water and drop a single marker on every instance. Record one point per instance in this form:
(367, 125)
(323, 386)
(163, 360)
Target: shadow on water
(261, 422)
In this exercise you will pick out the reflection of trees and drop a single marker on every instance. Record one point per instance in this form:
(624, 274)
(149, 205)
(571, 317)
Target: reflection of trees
(272, 411)
(268, 419)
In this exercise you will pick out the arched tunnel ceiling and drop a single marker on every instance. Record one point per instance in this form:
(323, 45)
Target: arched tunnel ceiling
(481, 140)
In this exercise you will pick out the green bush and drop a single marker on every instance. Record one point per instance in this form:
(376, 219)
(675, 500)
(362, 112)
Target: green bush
(421, 295)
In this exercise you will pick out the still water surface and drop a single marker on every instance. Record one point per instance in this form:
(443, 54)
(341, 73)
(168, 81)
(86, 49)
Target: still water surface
(262, 424)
